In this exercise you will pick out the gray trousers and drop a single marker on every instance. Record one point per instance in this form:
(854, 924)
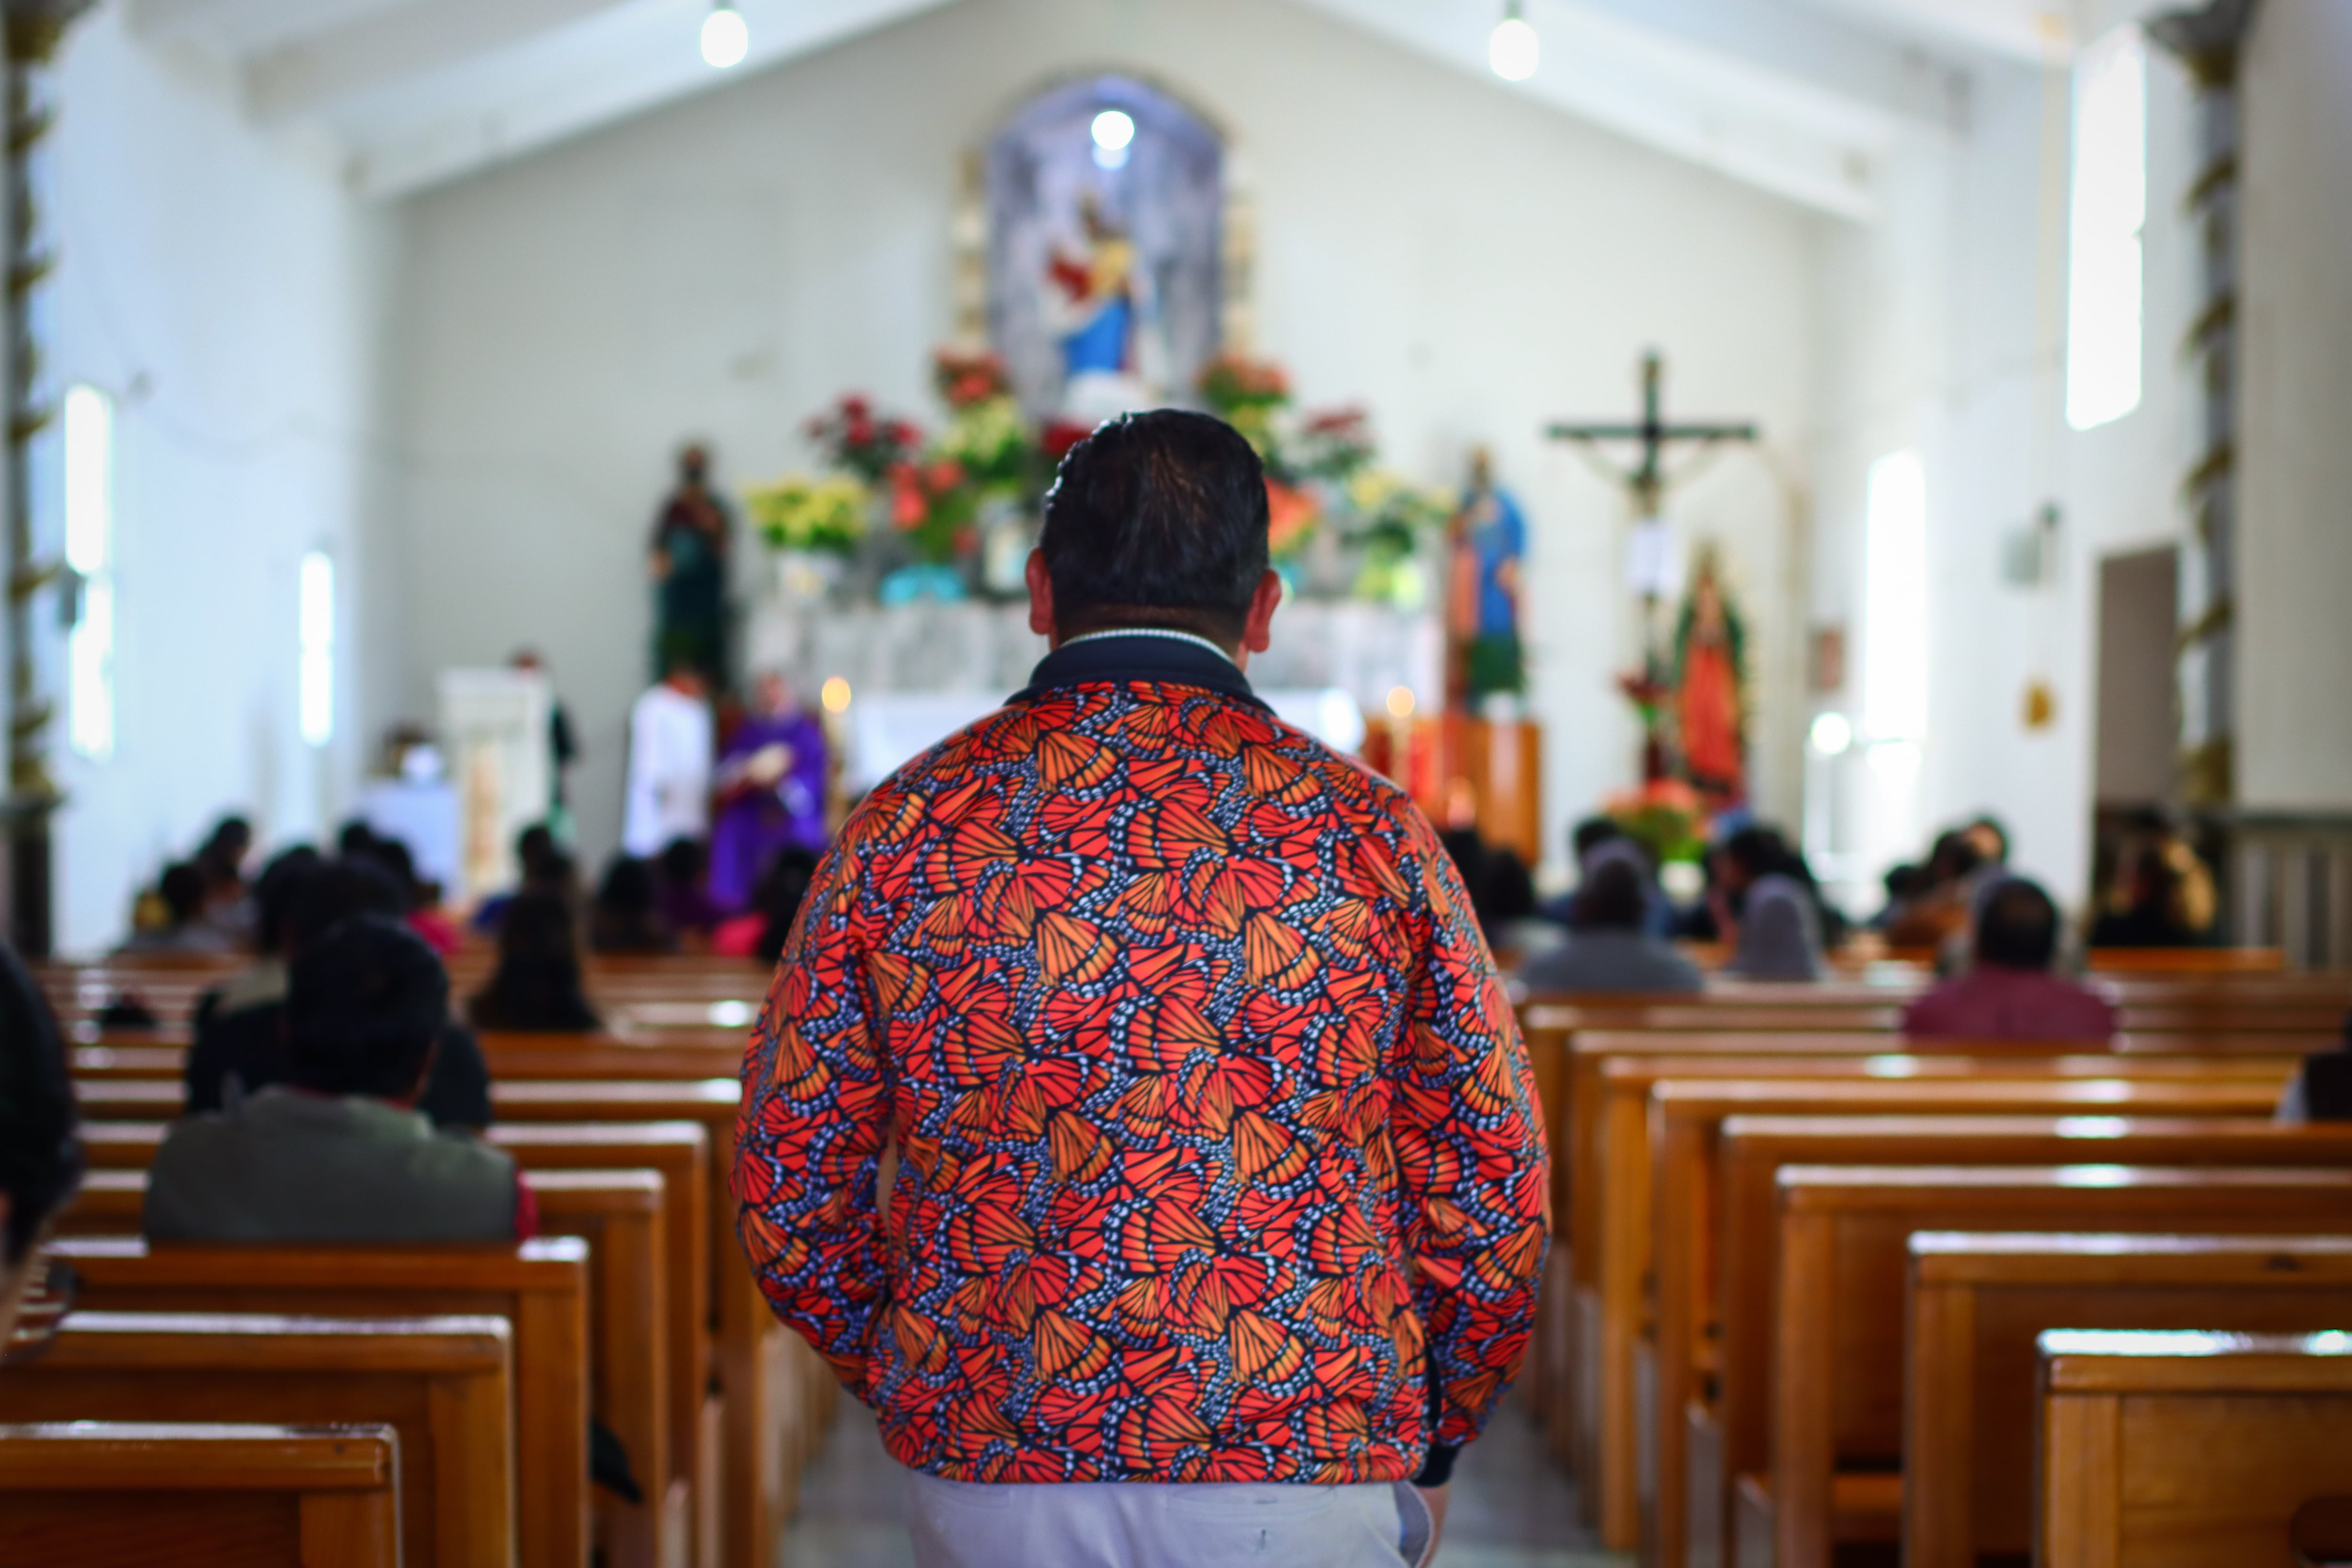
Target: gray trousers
(1111, 1525)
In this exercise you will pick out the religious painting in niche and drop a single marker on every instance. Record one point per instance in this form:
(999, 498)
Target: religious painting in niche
(1710, 683)
(1105, 199)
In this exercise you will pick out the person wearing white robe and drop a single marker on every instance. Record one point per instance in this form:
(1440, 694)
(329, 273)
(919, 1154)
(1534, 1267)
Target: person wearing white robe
(670, 750)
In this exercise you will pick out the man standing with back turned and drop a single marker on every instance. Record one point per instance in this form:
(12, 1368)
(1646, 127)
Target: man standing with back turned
(1219, 1165)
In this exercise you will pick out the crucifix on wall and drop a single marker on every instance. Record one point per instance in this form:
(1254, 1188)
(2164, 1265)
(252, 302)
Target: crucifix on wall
(1708, 683)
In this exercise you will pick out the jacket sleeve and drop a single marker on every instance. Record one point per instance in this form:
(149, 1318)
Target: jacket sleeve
(1471, 1161)
(810, 1133)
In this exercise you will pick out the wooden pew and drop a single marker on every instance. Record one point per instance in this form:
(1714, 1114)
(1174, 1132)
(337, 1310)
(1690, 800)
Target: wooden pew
(441, 1382)
(2164, 1451)
(636, 1275)
(1835, 1382)
(539, 1287)
(110, 1494)
(1711, 1234)
(1610, 1205)
(1976, 1305)
(777, 1395)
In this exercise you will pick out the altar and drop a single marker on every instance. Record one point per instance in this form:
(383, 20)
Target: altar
(913, 674)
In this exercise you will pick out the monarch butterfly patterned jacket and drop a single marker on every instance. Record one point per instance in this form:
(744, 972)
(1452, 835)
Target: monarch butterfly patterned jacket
(1219, 1154)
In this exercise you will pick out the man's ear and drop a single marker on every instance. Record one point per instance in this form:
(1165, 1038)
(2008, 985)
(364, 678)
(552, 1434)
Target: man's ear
(1041, 594)
(1266, 598)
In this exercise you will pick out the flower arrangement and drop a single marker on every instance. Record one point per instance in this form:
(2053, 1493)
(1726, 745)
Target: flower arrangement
(990, 465)
(1665, 816)
(800, 512)
(851, 436)
(932, 502)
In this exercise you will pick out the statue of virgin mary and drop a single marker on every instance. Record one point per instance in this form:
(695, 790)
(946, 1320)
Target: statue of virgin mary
(1099, 305)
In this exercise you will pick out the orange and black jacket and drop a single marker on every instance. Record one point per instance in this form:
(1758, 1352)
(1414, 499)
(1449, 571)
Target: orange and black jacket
(1219, 1158)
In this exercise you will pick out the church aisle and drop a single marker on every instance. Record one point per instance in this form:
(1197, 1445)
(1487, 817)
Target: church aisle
(1512, 1508)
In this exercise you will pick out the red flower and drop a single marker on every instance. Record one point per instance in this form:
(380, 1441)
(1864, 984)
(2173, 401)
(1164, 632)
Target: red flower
(1061, 435)
(909, 505)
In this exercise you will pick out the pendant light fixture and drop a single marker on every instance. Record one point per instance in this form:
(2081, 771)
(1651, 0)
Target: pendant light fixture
(725, 39)
(1514, 49)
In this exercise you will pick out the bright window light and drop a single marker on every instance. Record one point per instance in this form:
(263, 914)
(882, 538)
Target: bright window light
(2109, 212)
(317, 615)
(725, 39)
(1894, 668)
(89, 552)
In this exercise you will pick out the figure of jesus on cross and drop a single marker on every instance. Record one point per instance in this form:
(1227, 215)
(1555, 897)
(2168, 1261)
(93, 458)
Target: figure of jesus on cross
(1650, 568)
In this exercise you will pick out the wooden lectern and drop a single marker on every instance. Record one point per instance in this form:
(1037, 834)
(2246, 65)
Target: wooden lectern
(1497, 765)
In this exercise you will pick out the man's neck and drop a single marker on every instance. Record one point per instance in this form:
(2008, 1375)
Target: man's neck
(1231, 653)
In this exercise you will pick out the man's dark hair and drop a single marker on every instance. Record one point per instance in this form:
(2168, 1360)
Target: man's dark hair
(333, 893)
(628, 885)
(2017, 926)
(274, 890)
(40, 1157)
(1611, 898)
(365, 1004)
(354, 837)
(182, 888)
(1592, 833)
(1158, 519)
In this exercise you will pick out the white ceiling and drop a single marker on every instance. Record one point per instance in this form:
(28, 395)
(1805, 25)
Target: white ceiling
(1799, 97)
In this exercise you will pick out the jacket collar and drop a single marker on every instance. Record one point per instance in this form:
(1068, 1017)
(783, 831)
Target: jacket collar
(1155, 660)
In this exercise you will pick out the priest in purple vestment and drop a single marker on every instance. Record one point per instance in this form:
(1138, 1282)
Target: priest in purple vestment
(770, 788)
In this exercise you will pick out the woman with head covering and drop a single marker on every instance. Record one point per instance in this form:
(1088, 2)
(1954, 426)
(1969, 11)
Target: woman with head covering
(1779, 931)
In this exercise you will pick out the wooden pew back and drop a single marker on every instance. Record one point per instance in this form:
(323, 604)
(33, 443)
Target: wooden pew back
(120, 1494)
(2169, 1450)
(541, 1287)
(1979, 1303)
(1836, 1379)
(440, 1382)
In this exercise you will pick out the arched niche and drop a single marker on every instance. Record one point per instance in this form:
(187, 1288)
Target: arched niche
(1171, 195)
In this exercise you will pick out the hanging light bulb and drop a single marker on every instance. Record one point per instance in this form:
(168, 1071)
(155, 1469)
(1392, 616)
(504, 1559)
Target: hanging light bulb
(1514, 47)
(725, 39)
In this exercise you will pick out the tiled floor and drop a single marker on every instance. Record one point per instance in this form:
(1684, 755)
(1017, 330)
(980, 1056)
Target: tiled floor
(1512, 1507)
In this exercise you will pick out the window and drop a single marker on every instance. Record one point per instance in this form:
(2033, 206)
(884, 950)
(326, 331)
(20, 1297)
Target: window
(90, 554)
(1895, 628)
(318, 632)
(2109, 212)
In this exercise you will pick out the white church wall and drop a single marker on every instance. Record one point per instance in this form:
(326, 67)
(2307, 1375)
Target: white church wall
(1467, 263)
(1945, 334)
(220, 286)
(2294, 539)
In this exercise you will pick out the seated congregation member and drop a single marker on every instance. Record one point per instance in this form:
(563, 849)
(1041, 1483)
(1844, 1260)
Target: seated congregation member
(181, 902)
(264, 980)
(2163, 897)
(339, 1151)
(40, 1157)
(759, 933)
(2009, 992)
(680, 877)
(1608, 949)
(2322, 1091)
(627, 915)
(1246, 1040)
(235, 1053)
(419, 899)
(1764, 902)
(536, 855)
(537, 987)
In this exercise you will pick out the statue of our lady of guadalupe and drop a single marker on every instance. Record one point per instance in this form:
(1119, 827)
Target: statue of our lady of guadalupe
(1709, 687)
(689, 572)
